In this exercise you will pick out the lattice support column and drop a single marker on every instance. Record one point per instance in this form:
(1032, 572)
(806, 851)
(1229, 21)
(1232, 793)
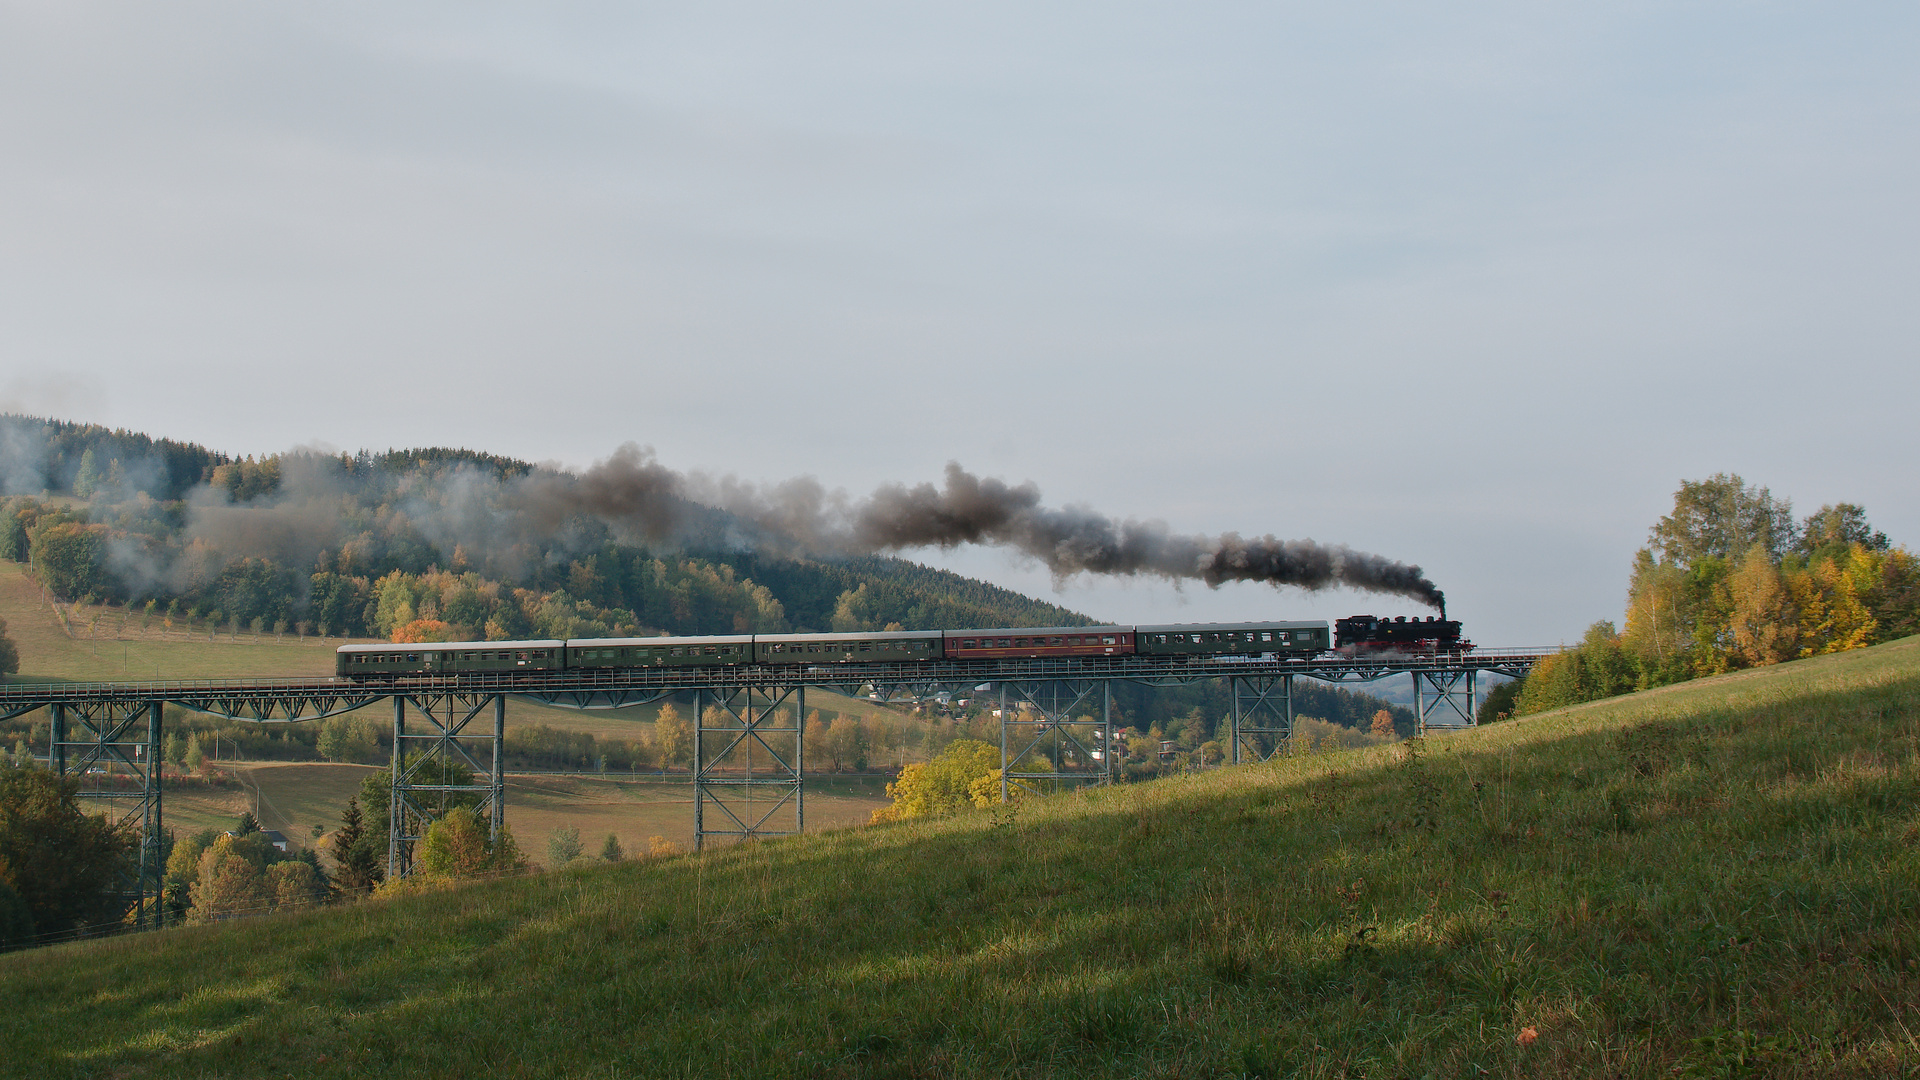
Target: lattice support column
(1042, 746)
(441, 766)
(1444, 699)
(1262, 716)
(748, 758)
(113, 749)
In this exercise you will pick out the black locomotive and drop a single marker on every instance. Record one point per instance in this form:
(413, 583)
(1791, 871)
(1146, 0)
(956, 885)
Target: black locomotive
(1368, 635)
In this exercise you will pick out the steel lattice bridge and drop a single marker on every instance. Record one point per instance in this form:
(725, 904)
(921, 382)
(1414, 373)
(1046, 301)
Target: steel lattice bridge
(449, 731)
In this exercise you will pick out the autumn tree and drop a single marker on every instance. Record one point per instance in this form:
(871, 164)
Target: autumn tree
(966, 773)
(294, 883)
(815, 740)
(457, 846)
(1764, 624)
(1599, 667)
(847, 743)
(231, 880)
(1382, 726)
(71, 557)
(673, 735)
(420, 631)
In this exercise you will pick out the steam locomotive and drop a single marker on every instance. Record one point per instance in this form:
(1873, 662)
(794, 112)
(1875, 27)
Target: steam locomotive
(1284, 640)
(1367, 635)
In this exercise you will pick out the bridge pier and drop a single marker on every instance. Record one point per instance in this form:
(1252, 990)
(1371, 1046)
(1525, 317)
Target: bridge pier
(1444, 699)
(743, 762)
(1042, 748)
(1262, 716)
(438, 769)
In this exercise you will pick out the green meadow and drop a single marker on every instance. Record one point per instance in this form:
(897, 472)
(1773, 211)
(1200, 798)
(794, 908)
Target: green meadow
(1716, 879)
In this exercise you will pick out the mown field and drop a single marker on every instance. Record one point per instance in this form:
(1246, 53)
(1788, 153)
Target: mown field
(294, 797)
(1717, 879)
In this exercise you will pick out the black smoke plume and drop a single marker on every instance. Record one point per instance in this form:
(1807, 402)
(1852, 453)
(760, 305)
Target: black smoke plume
(632, 489)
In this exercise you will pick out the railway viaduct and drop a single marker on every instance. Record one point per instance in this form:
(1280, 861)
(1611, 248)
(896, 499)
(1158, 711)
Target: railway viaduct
(449, 730)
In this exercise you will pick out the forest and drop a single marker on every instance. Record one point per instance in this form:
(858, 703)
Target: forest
(432, 544)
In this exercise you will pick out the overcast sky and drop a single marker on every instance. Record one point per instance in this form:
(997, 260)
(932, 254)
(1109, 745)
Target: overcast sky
(1472, 286)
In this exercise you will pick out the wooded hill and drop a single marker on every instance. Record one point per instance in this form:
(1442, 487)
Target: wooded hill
(424, 544)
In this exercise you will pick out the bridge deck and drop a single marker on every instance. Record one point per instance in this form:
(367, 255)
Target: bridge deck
(287, 699)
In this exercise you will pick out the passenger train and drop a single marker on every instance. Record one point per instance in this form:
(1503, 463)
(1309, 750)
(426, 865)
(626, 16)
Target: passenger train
(1283, 640)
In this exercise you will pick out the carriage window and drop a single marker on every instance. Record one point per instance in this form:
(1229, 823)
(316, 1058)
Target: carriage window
(1107, 639)
(970, 643)
(679, 650)
(711, 650)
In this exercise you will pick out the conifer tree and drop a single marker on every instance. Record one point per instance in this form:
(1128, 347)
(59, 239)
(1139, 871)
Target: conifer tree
(87, 481)
(356, 859)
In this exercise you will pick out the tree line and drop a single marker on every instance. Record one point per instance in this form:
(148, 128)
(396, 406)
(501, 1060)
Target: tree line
(1731, 579)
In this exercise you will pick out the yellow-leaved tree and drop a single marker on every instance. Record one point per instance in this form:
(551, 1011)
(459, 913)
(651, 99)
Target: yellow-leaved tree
(673, 736)
(966, 773)
(456, 846)
(1766, 630)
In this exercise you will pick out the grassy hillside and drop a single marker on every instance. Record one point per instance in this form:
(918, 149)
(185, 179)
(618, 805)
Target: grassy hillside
(1716, 879)
(86, 650)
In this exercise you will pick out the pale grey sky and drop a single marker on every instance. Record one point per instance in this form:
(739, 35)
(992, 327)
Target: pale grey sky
(1471, 287)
